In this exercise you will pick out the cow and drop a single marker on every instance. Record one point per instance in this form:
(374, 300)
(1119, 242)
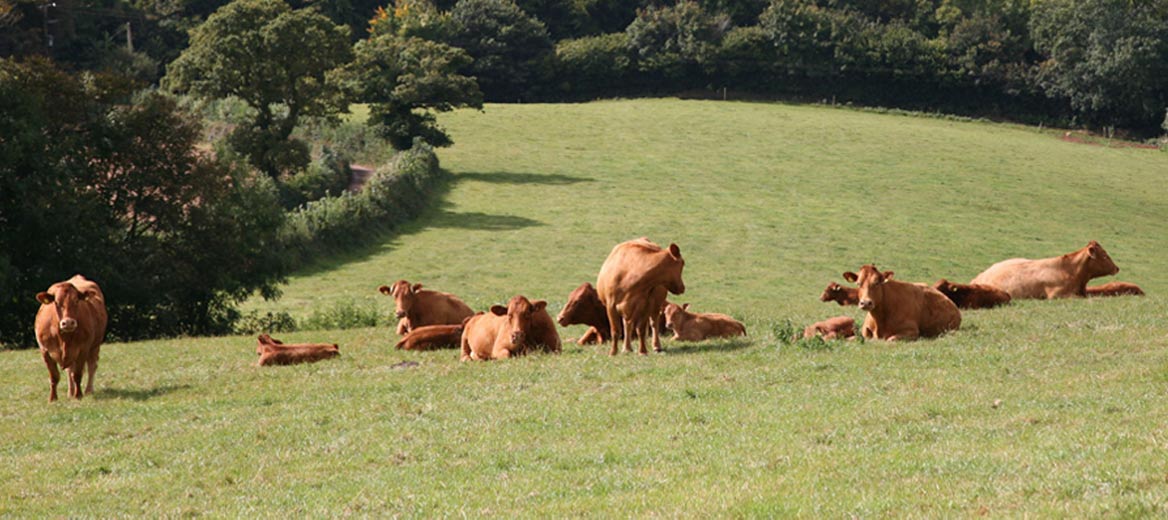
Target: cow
(900, 310)
(839, 327)
(691, 326)
(431, 336)
(70, 327)
(1115, 289)
(543, 334)
(417, 307)
(972, 296)
(840, 294)
(1063, 276)
(585, 308)
(632, 283)
(272, 351)
(502, 332)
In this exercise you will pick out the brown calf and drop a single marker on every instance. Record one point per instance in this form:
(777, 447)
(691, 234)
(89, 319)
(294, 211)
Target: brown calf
(275, 352)
(1115, 289)
(431, 336)
(692, 326)
(501, 333)
(840, 294)
(418, 307)
(839, 327)
(972, 296)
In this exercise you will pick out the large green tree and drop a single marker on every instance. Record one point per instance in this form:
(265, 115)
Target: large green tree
(407, 80)
(278, 61)
(511, 50)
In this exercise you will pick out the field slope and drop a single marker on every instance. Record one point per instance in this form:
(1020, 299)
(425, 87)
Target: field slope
(1037, 409)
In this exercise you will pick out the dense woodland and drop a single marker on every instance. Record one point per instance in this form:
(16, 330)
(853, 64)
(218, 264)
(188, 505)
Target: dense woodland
(107, 167)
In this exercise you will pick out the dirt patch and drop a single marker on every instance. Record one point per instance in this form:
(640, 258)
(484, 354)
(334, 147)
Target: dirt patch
(361, 175)
(1086, 138)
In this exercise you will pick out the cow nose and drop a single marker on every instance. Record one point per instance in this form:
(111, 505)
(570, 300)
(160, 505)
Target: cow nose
(516, 337)
(400, 314)
(562, 320)
(68, 325)
(866, 304)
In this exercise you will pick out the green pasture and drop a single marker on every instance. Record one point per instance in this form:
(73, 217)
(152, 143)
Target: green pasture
(1039, 409)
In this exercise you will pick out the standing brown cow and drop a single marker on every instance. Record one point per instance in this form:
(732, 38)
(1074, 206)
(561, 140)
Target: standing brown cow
(1063, 276)
(900, 310)
(632, 284)
(840, 294)
(502, 332)
(70, 327)
(1115, 289)
(972, 296)
(697, 326)
(417, 307)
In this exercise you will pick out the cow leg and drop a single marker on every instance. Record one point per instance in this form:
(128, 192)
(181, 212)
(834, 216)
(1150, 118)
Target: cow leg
(403, 326)
(614, 322)
(54, 375)
(75, 372)
(465, 342)
(92, 366)
(643, 331)
(656, 336)
(630, 329)
(592, 336)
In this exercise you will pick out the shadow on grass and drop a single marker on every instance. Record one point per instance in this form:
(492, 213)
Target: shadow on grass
(479, 221)
(707, 346)
(551, 179)
(144, 394)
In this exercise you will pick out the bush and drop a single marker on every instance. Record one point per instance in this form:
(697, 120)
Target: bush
(343, 315)
(511, 50)
(271, 323)
(594, 65)
(674, 40)
(329, 175)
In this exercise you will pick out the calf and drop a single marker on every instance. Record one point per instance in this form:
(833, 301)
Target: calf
(585, 308)
(899, 310)
(632, 283)
(840, 294)
(1063, 276)
(431, 336)
(690, 326)
(272, 351)
(972, 296)
(418, 307)
(839, 327)
(70, 327)
(1115, 289)
(502, 332)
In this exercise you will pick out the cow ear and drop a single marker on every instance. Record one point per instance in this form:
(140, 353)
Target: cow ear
(44, 298)
(1092, 249)
(386, 290)
(685, 306)
(851, 277)
(538, 305)
(498, 310)
(674, 251)
(888, 275)
(84, 295)
(417, 287)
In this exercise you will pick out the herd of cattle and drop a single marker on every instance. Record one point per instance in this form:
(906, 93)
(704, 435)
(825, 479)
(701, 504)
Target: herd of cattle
(628, 300)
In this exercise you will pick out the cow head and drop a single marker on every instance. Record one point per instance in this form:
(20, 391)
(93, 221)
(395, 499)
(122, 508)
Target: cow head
(871, 282)
(675, 315)
(946, 287)
(403, 296)
(582, 300)
(519, 313)
(674, 264)
(831, 292)
(1099, 263)
(65, 300)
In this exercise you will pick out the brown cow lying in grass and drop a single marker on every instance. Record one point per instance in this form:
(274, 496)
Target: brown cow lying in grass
(839, 327)
(502, 332)
(972, 296)
(695, 326)
(1063, 276)
(418, 307)
(840, 294)
(900, 310)
(1115, 289)
(431, 336)
(275, 352)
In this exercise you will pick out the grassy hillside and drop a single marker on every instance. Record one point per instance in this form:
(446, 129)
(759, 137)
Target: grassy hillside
(1037, 409)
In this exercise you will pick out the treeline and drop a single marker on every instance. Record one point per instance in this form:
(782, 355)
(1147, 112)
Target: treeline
(1100, 63)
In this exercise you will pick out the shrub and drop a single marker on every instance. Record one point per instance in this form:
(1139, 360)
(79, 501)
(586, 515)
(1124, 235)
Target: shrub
(673, 40)
(343, 315)
(330, 174)
(595, 64)
(511, 49)
(254, 323)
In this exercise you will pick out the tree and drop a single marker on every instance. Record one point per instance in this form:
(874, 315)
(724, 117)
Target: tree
(676, 38)
(276, 60)
(407, 79)
(1108, 58)
(511, 50)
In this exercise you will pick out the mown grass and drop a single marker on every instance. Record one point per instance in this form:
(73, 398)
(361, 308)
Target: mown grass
(1037, 409)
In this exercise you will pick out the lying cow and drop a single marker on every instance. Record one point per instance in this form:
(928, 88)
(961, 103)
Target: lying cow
(502, 332)
(840, 294)
(972, 296)
(275, 352)
(418, 307)
(431, 336)
(70, 327)
(1063, 276)
(632, 283)
(839, 327)
(900, 310)
(691, 326)
(1115, 289)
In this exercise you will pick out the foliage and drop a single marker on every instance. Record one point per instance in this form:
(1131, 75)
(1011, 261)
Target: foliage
(112, 187)
(1108, 58)
(510, 49)
(595, 65)
(410, 18)
(407, 80)
(328, 175)
(674, 39)
(254, 50)
(344, 315)
(253, 323)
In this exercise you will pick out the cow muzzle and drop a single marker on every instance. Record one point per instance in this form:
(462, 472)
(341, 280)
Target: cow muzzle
(517, 338)
(562, 320)
(68, 325)
(400, 314)
(867, 304)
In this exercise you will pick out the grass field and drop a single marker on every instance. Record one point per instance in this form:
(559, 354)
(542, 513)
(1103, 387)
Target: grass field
(1037, 409)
